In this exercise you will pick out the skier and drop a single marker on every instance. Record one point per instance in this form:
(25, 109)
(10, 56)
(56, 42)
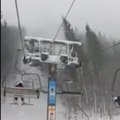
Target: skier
(19, 84)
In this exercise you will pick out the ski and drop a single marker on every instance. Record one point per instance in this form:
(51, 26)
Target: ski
(26, 104)
(14, 103)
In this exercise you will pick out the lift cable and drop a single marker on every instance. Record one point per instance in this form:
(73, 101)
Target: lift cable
(105, 49)
(19, 26)
(110, 47)
(65, 18)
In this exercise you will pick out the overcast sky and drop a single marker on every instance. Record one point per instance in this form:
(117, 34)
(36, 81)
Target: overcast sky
(43, 17)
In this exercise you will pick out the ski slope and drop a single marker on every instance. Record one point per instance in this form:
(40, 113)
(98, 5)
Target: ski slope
(39, 111)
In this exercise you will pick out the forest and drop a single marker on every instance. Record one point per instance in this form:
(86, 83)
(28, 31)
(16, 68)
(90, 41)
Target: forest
(100, 58)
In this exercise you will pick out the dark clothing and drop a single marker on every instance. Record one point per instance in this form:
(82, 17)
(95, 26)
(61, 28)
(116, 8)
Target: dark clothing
(118, 100)
(19, 85)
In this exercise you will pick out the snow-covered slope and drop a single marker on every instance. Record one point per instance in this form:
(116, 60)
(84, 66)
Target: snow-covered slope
(39, 111)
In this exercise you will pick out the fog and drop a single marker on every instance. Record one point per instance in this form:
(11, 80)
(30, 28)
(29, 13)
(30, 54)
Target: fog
(43, 17)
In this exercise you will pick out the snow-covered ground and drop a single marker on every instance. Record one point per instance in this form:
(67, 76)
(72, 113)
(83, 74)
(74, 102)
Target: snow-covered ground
(39, 111)
(18, 112)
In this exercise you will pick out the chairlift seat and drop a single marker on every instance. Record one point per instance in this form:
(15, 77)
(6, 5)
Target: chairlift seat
(26, 92)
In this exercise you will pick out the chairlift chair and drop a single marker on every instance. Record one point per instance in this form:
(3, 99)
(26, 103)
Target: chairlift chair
(116, 97)
(28, 91)
(49, 51)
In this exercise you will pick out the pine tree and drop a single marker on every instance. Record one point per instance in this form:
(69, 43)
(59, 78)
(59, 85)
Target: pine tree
(94, 50)
(70, 34)
(68, 30)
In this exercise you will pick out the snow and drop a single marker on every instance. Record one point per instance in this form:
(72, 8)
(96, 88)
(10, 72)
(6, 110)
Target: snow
(35, 112)
(39, 111)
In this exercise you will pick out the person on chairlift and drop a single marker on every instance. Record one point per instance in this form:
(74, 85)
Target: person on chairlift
(117, 100)
(19, 84)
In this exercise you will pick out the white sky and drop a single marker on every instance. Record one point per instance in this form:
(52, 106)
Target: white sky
(43, 17)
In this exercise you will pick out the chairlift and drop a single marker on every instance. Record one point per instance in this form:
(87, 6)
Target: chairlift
(116, 90)
(41, 50)
(31, 89)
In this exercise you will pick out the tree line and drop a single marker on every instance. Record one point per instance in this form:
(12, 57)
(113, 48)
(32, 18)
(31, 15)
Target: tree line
(10, 42)
(97, 68)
